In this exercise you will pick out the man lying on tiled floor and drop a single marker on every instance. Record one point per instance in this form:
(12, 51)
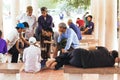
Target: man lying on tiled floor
(95, 57)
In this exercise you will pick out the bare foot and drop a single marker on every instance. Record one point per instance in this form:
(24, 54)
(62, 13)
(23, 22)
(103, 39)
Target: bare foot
(49, 62)
(117, 60)
(53, 65)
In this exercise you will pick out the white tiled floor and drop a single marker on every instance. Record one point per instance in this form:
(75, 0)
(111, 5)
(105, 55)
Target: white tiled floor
(93, 77)
(59, 75)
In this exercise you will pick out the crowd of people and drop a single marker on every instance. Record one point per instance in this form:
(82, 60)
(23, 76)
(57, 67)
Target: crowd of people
(33, 43)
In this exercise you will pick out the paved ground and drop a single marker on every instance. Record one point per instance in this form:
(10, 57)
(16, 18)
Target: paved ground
(43, 75)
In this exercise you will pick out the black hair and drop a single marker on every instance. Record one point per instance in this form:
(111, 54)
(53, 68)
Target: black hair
(78, 18)
(0, 33)
(114, 54)
(43, 9)
(26, 24)
(17, 28)
(90, 16)
(87, 12)
(49, 30)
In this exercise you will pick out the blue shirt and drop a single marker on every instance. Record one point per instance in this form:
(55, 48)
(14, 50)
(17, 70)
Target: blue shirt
(72, 39)
(45, 23)
(3, 46)
(77, 30)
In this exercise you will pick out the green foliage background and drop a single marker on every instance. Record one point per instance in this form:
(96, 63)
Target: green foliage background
(74, 3)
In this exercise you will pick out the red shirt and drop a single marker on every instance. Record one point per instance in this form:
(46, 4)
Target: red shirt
(80, 23)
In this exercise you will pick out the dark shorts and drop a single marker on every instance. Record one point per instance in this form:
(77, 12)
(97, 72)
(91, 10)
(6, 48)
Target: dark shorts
(14, 52)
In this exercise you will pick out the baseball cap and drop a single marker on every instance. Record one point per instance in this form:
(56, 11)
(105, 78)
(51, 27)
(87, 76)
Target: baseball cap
(32, 40)
(20, 25)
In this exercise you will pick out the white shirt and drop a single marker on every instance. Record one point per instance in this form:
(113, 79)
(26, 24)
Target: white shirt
(12, 38)
(32, 58)
(28, 33)
(31, 20)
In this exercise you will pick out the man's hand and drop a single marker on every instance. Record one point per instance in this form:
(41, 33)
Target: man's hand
(92, 48)
(46, 41)
(64, 51)
(60, 33)
(21, 35)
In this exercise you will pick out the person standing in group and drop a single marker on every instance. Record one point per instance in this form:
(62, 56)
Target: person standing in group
(12, 39)
(3, 48)
(32, 57)
(45, 21)
(30, 19)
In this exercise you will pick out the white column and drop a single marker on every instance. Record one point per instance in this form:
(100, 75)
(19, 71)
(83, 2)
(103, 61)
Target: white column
(119, 27)
(35, 7)
(24, 4)
(101, 23)
(28, 2)
(1, 15)
(14, 12)
(111, 25)
(94, 13)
